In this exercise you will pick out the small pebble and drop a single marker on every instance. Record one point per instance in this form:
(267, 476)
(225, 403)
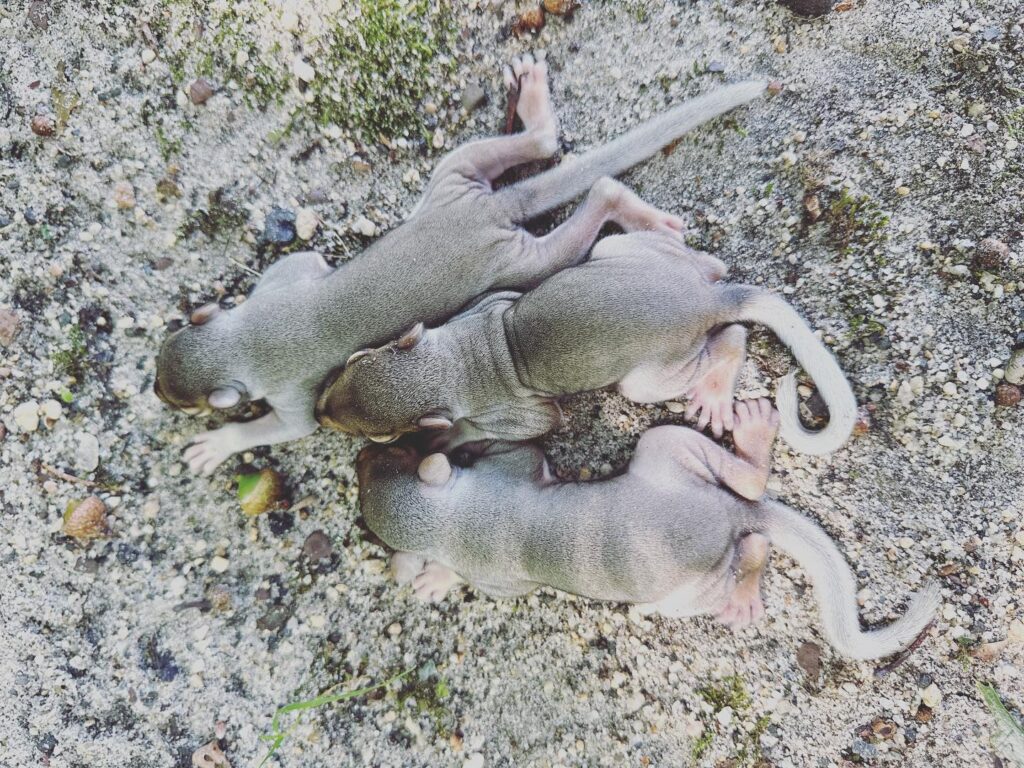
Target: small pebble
(43, 125)
(318, 546)
(200, 90)
(26, 416)
(87, 452)
(303, 70)
(1007, 395)
(673, 406)
(124, 195)
(306, 222)
(395, 629)
(931, 696)
(10, 324)
(363, 226)
(219, 564)
(438, 141)
(279, 226)
(475, 760)
(148, 55)
(474, 96)
(1013, 371)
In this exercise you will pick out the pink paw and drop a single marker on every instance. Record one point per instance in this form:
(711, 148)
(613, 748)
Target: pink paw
(433, 582)
(742, 610)
(712, 405)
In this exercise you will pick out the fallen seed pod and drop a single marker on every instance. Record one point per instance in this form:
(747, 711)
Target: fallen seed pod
(259, 492)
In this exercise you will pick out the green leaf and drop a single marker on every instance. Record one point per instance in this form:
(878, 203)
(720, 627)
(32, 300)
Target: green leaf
(1008, 738)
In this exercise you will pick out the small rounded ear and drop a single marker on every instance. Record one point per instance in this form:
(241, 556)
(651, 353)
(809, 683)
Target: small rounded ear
(412, 337)
(434, 422)
(356, 355)
(203, 315)
(435, 469)
(224, 397)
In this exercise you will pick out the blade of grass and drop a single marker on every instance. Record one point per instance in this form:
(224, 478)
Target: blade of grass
(277, 737)
(1008, 739)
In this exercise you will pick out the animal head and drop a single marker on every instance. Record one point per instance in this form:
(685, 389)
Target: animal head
(402, 494)
(191, 370)
(401, 387)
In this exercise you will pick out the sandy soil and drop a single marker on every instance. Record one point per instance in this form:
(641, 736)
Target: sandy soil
(863, 191)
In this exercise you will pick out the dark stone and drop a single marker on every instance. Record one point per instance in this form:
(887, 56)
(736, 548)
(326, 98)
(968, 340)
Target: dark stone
(809, 7)
(280, 522)
(808, 656)
(274, 619)
(924, 680)
(156, 660)
(474, 96)
(279, 227)
(31, 217)
(162, 263)
(127, 554)
(110, 93)
(4, 220)
(318, 546)
(864, 750)
(46, 743)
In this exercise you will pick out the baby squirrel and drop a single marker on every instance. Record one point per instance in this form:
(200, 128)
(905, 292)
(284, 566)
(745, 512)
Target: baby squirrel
(645, 313)
(684, 531)
(463, 239)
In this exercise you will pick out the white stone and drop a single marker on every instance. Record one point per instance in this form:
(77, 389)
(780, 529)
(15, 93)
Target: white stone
(931, 696)
(363, 226)
(306, 222)
(724, 716)
(475, 760)
(303, 70)
(148, 55)
(26, 416)
(967, 130)
(51, 410)
(1014, 370)
(87, 452)
(219, 564)
(290, 21)
(438, 139)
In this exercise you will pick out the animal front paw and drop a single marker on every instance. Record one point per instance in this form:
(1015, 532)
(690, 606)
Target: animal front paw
(434, 581)
(406, 565)
(208, 451)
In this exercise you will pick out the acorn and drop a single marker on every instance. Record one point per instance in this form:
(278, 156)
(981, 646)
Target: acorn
(530, 21)
(86, 519)
(259, 492)
(561, 7)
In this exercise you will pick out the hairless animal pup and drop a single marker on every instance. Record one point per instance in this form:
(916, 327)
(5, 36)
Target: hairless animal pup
(645, 313)
(462, 239)
(684, 531)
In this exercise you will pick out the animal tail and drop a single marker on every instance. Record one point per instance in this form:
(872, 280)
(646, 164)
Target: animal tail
(759, 306)
(835, 587)
(572, 178)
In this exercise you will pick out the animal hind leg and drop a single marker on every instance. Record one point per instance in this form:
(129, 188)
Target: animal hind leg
(669, 449)
(570, 242)
(487, 159)
(744, 605)
(711, 396)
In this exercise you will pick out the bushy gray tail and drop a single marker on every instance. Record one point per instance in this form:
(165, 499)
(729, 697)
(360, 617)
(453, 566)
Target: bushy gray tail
(835, 587)
(572, 178)
(764, 308)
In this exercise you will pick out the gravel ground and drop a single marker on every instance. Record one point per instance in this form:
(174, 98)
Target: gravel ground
(880, 191)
